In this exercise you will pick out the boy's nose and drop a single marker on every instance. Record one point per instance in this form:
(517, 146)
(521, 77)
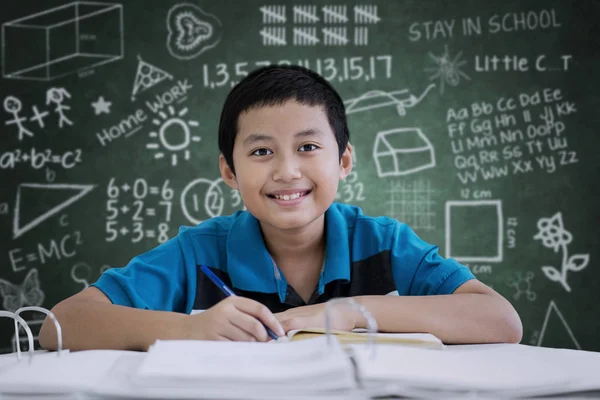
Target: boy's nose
(286, 169)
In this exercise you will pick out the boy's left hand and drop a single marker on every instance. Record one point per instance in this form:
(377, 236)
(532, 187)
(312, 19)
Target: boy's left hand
(313, 316)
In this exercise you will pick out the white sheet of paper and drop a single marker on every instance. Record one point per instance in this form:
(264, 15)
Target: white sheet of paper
(49, 373)
(506, 368)
(322, 365)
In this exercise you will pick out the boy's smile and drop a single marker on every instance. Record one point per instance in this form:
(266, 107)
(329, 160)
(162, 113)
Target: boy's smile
(287, 164)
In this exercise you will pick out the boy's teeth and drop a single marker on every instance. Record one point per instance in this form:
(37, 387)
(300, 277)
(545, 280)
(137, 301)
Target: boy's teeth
(287, 196)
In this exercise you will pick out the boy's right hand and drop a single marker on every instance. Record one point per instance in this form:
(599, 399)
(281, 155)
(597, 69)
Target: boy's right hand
(234, 318)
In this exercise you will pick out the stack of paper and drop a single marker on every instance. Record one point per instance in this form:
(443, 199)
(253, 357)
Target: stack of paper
(312, 368)
(506, 370)
(50, 373)
(207, 369)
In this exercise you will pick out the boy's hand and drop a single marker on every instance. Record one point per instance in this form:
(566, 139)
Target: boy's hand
(234, 318)
(342, 318)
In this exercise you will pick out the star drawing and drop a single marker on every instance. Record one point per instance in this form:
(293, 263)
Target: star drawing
(101, 106)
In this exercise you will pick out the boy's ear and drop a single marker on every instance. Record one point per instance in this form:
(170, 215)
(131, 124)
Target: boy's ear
(346, 162)
(226, 173)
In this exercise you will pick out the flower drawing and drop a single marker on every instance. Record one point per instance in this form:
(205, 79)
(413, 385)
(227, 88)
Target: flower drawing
(554, 236)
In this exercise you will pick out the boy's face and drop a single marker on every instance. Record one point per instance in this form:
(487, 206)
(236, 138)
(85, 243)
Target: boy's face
(287, 164)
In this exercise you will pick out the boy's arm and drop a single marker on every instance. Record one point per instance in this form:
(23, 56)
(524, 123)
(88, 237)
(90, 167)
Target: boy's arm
(474, 313)
(90, 321)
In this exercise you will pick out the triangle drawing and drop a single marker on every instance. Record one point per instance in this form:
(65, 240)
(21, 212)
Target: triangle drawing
(71, 193)
(147, 76)
(559, 327)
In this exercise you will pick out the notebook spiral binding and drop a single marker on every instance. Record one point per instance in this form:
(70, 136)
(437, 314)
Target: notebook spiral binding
(18, 320)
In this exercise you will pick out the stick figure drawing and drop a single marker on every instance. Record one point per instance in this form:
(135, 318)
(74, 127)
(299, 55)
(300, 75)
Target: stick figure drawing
(13, 105)
(57, 96)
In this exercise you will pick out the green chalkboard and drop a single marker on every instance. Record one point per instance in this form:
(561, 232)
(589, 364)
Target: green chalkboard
(475, 122)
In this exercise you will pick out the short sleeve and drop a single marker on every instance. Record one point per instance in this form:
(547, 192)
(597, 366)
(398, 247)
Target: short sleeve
(419, 270)
(155, 280)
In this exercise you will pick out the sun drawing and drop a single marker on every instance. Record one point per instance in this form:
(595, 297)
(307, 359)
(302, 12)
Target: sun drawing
(173, 135)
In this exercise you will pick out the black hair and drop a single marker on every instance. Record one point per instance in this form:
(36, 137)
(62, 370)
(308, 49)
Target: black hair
(275, 85)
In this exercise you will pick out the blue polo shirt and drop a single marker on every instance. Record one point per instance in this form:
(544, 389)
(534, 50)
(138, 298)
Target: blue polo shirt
(364, 256)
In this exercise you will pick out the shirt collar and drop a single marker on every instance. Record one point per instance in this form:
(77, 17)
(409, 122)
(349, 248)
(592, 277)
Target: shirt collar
(251, 268)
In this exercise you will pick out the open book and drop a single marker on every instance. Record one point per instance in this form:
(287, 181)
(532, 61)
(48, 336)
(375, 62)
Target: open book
(356, 336)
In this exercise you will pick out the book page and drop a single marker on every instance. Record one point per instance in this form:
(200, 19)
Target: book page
(360, 336)
(506, 368)
(191, 362)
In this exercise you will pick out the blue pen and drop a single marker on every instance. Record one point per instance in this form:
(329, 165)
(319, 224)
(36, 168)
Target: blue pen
(228, 292)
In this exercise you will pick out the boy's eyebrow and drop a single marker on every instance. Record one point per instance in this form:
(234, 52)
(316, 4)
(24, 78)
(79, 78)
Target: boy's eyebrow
(259, 137)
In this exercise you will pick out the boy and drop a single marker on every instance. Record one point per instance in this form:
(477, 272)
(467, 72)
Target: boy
(284, 146)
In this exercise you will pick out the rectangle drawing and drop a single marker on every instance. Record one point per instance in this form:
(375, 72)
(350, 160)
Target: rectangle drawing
(474, 230)
(62, 40)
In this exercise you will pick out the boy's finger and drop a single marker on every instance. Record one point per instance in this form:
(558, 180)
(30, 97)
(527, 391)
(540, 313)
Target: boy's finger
(250, 325)
(262, 313)
(237, 334)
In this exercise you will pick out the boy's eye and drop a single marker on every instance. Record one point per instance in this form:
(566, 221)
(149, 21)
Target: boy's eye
(308, 147)
(261, 152)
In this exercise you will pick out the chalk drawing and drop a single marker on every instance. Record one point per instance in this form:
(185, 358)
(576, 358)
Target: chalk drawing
(86, 25)
(305, 14)
(335, 36)
(373, 99)
(169, 126)
(147, 76)
(28, 293)
(402, 151)
(553, 308)
(554, 236)
(13, 105)
(38, 116)
(335, 14)
(522, 285)
(366, 14)
(411, 203)
(334, 17)
(194, 199)
(486, 251)
(101, 106)
(361, 36)
(273, 14)
(57, 97)
(273, 36)
(81, 273)
(447, 69)
(38, 190)
(305, 36)
(191, 31)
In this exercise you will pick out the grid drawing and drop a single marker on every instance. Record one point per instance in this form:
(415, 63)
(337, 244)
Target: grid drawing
(411, 203)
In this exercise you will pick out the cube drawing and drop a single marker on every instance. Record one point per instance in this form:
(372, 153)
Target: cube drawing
(62, 40)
